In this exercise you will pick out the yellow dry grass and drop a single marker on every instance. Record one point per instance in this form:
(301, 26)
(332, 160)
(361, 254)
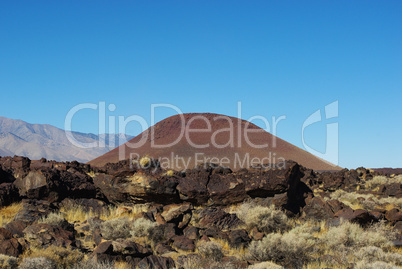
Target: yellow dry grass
(80, 214)
(63, 257)
(8, 213)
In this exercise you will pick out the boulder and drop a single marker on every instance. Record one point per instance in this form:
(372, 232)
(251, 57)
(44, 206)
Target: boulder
(192, 232)
(42, 235)
(175, 212)
(318, 209)
(226, 188)
(183, 243)
(33, 210)
(17, 166)
(137, 187)
(216, 217)
(156, 262)
(393, 215)
(129, 247)
(8, 194)
(360, 216)
(16, 228)
(10, 247)
(54, 185)
(161, 249)
(193, 186)
(238, 238)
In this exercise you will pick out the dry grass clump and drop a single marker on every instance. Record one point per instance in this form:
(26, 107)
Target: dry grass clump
(373, 254)
(79, 213)
(93, 264)
(369, 201)
(265, 265)
(350, 235)
(382, 180)
(210, 250)
(8, 262)
(141, 227)
(125, 228)
(55, 219)
(291, 249)
(8, 213)
(116, 228)
(62, 257)
(266, 219)
(37, 263)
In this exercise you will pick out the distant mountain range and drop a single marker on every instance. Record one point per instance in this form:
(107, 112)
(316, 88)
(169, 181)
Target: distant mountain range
(37, 141)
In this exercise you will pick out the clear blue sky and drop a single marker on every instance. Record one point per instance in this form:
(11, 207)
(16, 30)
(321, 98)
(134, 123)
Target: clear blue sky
(276, 57)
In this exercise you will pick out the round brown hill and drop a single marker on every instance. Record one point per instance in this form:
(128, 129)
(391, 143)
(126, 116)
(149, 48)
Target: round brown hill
(186, 140)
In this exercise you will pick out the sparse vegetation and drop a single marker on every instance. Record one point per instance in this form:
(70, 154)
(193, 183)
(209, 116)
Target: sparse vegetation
(117, 228)
(266, 219)
(37, 263)
(8, 262)
(141, 227)
(55, 219)
(210, 250)
(8, 213)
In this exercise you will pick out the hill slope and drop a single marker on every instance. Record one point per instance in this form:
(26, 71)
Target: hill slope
(35, 141)
(223, 137)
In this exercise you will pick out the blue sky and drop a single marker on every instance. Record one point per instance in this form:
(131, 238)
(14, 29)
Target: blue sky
(277, 58)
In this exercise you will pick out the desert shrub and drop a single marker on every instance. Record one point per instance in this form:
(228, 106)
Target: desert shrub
(8, 262)
(348, 235)
(62, 257)
(116, 228)
(266, 219)
(37, 263)
(265, 265)
(156, 234)
(290, 249)
(373, 254)
(210, 250)
(52, 219)
(370, 201)
(93, 264)
(141, 227)
(382, 180)
(375, 265)
(198, 262)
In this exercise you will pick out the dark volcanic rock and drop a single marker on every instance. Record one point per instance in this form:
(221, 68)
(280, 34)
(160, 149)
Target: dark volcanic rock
(10, 247)
(53, 185)
(393, 215)
(216, 217)
(318, 209)
(183, 243)
(129, 247)
(226, 189)
(193, 187)
(42, 235)
(17, 166)
(33, 210)
(156, 262)
(358, 216)
(239, 238)
(8, 194)
(138, 187)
